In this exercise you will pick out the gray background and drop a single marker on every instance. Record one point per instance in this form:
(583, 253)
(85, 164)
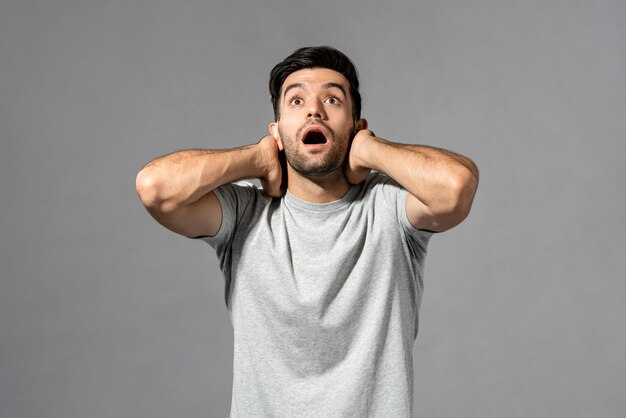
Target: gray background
(105, 314)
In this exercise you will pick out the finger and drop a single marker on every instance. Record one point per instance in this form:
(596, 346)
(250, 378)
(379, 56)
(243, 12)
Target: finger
(283, 172)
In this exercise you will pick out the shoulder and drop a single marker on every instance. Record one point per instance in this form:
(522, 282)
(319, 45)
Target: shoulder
(241, 191)
(241, 197)
(378, 183)
(381, 191)
(384, 195)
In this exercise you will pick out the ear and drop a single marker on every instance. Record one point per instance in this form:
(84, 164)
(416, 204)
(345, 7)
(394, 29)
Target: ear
(361, 124)
(273, 127)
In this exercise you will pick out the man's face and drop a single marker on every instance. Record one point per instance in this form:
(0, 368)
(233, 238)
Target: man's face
(316, 122)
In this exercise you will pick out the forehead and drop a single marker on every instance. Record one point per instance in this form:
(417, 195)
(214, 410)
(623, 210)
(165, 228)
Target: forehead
(315, 77)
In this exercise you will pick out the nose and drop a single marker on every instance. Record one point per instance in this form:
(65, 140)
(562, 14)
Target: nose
(316, 110)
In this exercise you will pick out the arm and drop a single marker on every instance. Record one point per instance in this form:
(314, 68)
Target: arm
(441, 184)
(177, 189)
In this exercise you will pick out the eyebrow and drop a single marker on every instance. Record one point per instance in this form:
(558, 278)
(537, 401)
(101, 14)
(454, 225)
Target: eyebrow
(325, 86)
(335, 85)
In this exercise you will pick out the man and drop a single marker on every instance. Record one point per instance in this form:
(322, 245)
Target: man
(323, 265)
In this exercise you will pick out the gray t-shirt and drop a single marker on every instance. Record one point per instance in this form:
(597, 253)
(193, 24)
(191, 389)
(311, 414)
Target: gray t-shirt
(323, 299)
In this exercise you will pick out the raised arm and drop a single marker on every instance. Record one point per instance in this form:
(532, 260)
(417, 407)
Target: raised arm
(177, 189)
(441, 184)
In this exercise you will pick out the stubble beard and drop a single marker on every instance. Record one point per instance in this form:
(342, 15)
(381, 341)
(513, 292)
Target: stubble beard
(330, 163)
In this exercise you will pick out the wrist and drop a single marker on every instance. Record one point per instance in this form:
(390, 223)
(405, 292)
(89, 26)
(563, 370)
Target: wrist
(362, 145)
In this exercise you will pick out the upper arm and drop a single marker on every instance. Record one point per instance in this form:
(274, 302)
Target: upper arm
(448, 205)
(423, 217)
(200, 218)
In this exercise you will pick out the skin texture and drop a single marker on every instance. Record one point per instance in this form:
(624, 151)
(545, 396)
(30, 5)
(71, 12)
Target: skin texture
(177, 189)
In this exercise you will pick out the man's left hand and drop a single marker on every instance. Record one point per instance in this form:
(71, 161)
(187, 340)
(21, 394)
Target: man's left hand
(356, 169)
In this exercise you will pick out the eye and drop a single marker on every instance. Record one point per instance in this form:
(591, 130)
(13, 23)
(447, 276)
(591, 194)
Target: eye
(296, 101)
(333, 100)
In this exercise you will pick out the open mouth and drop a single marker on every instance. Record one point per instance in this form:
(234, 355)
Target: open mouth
(314, 137)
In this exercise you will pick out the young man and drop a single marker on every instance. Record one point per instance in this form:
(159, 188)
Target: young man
(323, 265)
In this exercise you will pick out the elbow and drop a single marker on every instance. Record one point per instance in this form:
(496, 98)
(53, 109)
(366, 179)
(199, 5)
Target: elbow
(462, 189)
(467, 185)
(149, 188)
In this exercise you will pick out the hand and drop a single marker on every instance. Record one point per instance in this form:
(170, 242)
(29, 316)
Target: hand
(355, 169)
(273, 180)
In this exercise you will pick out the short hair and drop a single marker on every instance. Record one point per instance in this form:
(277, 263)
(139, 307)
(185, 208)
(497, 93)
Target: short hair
(315, 57)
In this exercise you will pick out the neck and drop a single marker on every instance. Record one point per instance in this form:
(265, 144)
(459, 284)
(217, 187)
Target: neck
(323, 189)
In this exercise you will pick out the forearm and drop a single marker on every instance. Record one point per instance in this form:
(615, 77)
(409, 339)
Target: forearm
(181, 178)
(442, 180)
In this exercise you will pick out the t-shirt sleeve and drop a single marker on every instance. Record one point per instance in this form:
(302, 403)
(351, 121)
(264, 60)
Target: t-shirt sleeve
(235, 199)
(395, 196)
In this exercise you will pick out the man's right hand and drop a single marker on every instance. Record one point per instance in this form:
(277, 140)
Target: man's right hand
(273, 182)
